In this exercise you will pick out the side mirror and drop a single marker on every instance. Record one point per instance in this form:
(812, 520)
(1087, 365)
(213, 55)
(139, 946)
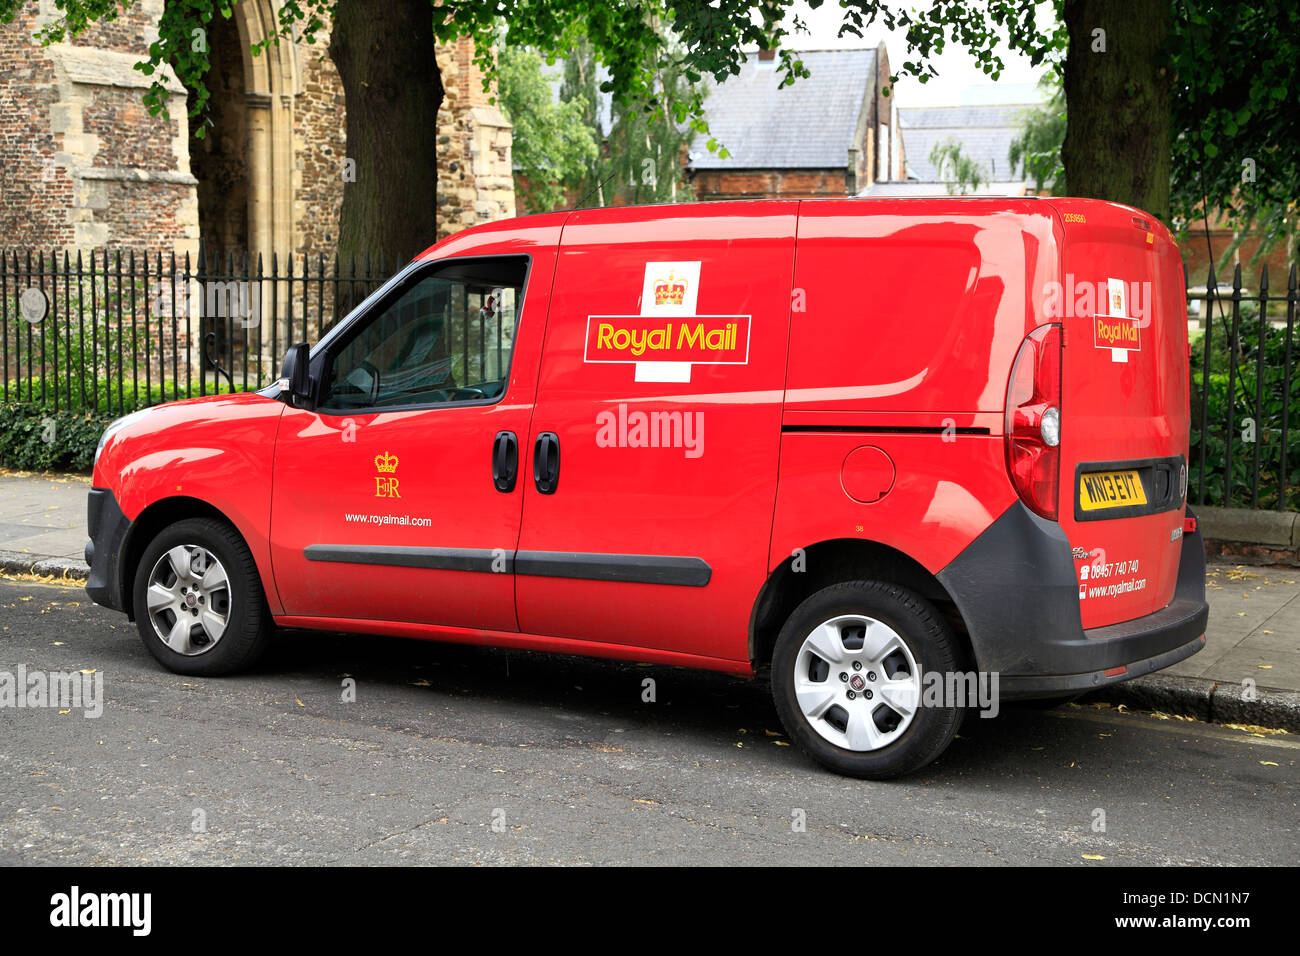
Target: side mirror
(294, 371)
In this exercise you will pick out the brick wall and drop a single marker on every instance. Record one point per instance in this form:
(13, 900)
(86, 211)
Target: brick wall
(1198, 260)
(320, 149)
(475, 178)
(35, 192)
(769, 183)
(86, 165)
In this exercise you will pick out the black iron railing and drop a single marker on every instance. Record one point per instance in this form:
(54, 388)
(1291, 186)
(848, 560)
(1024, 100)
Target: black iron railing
(109, 331)
(1245, 450)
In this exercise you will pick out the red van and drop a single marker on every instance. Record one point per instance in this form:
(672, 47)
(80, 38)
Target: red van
(876, 447)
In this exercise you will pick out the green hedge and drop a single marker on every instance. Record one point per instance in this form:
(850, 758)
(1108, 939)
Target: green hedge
(34, 437)
(37, 439)
(102, 397)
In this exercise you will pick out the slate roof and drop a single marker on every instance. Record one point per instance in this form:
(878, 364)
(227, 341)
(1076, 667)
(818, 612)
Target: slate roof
(808, 125)
(984, 132)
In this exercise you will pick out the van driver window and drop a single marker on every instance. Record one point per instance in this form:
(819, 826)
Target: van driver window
(446, 336)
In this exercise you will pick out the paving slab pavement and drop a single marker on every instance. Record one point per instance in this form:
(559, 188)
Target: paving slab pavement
(43, 520)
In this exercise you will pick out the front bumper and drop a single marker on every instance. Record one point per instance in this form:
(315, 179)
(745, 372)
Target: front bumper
(1018, 593)
(108, 527)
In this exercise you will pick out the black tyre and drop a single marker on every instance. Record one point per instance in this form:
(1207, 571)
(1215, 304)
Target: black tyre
(847, 677)
(198, 600)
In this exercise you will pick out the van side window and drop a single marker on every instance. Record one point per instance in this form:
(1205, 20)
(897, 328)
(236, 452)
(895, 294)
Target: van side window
(446, 335)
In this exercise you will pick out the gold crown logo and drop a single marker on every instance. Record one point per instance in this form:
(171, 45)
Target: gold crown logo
(670, 291)
(386, 462)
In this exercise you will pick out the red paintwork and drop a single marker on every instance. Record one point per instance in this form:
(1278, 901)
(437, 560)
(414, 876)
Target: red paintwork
(1124, 410)
(217, 450)
(880, 313)
(717, 506)
(443, 472)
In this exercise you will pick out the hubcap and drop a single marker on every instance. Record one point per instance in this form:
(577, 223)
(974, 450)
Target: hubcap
(189, 599)
(857, 682)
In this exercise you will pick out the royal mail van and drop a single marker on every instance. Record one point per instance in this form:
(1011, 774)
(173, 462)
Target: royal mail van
(870, 448)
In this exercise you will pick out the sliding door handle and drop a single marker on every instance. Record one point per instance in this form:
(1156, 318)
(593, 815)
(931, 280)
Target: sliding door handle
(546, 462)
(505, 461)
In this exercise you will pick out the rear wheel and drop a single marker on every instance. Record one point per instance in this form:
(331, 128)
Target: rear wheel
(198, 600)
(847, 679)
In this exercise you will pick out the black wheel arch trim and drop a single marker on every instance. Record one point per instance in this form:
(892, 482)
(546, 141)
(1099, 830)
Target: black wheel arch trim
(1017, 591)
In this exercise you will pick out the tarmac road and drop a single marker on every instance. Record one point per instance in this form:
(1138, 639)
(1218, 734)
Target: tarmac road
(457, 754)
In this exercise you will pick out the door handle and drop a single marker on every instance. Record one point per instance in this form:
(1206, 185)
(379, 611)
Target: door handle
(505, 461)
(546, 462)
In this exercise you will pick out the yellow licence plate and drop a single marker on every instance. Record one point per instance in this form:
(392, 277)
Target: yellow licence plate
(1110, 489)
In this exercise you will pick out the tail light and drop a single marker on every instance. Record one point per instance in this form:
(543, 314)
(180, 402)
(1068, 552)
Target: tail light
(1033, 421)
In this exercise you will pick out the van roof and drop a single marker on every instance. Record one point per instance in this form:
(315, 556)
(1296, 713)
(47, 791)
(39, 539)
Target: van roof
(540, 222)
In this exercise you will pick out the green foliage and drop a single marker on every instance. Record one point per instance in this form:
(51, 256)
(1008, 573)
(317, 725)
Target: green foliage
(37, 439)
(643, 155)
(959, 172)
(105, 395)
(1036, 153)
(640, 42)
(1236, 66)
(553, 144)
(1236, 126)
(1278, 398)
(641, 159)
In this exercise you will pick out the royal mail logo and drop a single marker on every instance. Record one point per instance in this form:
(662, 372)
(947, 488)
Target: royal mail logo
(1117, 333)
(667, 338)
(701, 339)
(386, 481)
(670, 291)
(1116, 330)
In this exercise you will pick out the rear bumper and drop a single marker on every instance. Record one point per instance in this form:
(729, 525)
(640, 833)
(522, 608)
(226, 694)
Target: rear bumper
(1018, 593)
(108, 527)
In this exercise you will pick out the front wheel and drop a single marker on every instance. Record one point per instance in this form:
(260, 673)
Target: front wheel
(848, 674)
(199, 603)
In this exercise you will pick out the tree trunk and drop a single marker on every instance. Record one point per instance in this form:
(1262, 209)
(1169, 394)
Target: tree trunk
(393, 90)
(1118, 102)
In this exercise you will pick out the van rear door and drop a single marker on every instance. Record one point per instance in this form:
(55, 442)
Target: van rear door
(1124, 407)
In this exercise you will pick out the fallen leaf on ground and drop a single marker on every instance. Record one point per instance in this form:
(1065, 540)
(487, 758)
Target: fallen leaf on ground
(1256, 729)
